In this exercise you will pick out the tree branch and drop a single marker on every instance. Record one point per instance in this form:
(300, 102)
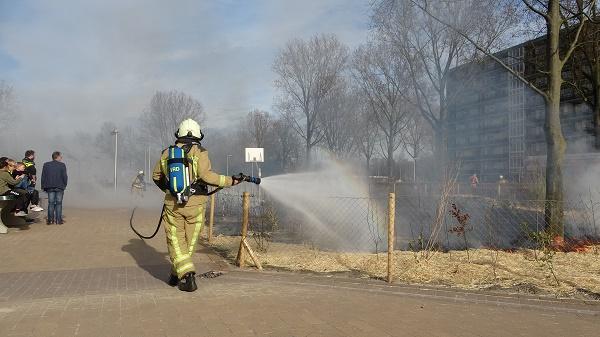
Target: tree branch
(574, 43)
(487, 53)
(535, 10)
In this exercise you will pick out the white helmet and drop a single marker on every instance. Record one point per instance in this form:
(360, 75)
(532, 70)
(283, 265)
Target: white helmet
(141, 172)
(189, 128)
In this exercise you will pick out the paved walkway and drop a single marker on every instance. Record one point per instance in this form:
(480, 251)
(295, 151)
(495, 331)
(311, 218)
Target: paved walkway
(92, 277)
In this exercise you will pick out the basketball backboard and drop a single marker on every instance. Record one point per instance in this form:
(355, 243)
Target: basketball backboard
(255, 155)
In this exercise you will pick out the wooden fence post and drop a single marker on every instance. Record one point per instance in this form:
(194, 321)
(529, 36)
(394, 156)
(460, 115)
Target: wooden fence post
(391, 236)
(211, 217)
(245, 212)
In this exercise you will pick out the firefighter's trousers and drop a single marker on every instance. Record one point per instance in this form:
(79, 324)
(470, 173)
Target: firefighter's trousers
(182, 228)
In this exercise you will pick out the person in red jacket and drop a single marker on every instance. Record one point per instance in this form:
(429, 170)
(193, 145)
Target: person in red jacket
(474, 182)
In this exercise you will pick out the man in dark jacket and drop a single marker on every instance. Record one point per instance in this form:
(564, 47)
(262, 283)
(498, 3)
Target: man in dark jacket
(54, 182)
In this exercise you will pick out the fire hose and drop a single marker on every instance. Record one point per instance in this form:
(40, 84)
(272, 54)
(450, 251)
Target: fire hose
(239, 177)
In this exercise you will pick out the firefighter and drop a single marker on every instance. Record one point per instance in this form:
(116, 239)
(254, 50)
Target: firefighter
(138, 186)
(183, 221)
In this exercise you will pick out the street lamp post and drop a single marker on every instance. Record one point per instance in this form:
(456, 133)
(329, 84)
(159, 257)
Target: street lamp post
(149, 172)
(227, 165)
(115, 132)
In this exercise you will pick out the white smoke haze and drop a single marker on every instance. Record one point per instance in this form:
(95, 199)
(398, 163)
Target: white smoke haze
(76, 65)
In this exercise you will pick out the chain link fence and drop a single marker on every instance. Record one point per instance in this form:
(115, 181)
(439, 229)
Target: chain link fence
(350, 235)
(348, 224)
(325, 223)
(481, 222)
(499, 190)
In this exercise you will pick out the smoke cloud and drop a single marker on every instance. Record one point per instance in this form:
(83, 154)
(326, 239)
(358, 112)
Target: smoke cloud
(77, 64)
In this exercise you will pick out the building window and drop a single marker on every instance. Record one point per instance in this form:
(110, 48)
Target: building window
(583, 125)
(470, 153)
(582, 108)
(490, 109)
(539, 113)
(537, 148)
(495, 137)
(566, 108)
(536, 131)
(566, 92)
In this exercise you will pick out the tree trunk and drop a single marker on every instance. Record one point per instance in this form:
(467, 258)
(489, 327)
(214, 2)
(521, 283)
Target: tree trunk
(390, 160)
(596, 103)
(555, 141)
(440, 148)
(390, 163)
(415, 170)
(554, 178)
(443, 125)
(308, 142)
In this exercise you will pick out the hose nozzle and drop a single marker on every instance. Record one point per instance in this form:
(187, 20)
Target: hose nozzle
(243, 177)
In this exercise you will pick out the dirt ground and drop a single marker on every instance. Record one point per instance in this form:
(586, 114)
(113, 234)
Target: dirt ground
(578, 274)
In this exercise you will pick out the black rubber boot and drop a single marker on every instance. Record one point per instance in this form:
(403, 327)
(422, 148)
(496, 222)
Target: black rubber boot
(173, 280)
(188, 282)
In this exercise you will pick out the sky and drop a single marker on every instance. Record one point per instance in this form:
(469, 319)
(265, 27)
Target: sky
(76, 64)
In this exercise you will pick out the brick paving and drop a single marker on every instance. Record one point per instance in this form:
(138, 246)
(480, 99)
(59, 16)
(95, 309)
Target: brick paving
(48, 289)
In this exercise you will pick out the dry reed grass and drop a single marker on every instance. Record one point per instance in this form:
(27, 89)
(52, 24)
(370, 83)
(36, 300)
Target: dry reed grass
(516, 271)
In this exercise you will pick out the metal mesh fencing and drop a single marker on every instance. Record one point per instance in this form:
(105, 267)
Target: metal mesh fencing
(349, 235)
(326, 223)
(329, 223)
(359, 224)
(479, 222)
(499, 190)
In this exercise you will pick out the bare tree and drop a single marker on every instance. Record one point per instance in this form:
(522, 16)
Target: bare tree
(571, 15)
(167, 109)
(259, 124)
(105, 139)
(383, 77)
(585, 66)
(7, 103)
(415, 138)
(131, 149)
(287, 145)
(337, 121)
(307, 73)
(431, 49)
(366, 131)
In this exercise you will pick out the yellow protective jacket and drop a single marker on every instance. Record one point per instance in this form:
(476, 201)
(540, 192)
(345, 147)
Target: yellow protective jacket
(200, 171)
(138, 183)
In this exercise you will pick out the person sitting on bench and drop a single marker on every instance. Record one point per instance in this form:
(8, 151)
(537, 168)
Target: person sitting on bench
(7, 183)
(26, 184)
